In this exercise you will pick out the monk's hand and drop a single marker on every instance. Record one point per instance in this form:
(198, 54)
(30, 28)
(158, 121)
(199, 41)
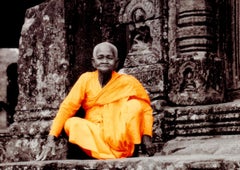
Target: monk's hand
(148, 146)
(49, 148)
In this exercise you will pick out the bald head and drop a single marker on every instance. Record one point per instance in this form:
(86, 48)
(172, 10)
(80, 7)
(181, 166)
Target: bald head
(104, 45)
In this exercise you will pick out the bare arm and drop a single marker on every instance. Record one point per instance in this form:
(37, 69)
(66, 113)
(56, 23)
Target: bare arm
(149, 147)
(50, 147)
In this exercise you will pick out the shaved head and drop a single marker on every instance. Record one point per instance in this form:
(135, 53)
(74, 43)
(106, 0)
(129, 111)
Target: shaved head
(112, 47)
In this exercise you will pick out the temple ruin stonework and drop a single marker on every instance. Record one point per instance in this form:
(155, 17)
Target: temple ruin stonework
(183, 51)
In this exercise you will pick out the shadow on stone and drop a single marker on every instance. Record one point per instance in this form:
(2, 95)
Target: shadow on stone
(75, 152)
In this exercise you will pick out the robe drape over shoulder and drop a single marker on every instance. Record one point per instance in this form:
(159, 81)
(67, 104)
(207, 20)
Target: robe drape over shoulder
(117, 115)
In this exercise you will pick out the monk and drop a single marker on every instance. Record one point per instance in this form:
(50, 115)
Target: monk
(118, 112)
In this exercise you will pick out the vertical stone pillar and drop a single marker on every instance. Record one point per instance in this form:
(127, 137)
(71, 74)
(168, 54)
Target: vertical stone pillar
(43, 69)
(145, 58)
(195, 71)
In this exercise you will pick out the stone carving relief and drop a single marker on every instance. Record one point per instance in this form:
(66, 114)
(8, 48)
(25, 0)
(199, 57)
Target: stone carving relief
(141, 39)
(143, 24)
(188, 76)
(195, 80)
(128, 7)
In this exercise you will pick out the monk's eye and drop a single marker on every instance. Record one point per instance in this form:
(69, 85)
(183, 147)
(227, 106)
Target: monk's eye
(100, 57)
(111, 57)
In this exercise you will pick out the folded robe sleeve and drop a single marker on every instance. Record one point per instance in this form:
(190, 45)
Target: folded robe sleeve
(147, 120)
(69, 106)
(147, 112)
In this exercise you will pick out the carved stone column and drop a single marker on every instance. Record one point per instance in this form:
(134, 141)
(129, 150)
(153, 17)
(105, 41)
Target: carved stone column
(195, 71)
(146, 58)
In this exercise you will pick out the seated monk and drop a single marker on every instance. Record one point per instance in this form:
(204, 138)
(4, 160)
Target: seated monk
(118, 112)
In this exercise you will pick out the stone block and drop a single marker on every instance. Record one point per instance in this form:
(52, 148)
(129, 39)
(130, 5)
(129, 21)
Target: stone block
(27, 149)
(151, 76)
(215, 119)
(42, 57)
(141, 59)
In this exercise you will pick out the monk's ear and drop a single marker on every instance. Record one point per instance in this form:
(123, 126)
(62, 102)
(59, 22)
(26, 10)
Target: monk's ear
(93, 63)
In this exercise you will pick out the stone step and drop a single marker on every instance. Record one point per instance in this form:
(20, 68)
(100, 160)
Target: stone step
(212, 119)
(173, 162)
(202, 152)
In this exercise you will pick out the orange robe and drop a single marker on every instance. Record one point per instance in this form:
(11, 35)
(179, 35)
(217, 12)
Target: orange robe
(117, 115)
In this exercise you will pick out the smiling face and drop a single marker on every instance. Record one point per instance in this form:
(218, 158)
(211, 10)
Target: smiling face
(104, 58)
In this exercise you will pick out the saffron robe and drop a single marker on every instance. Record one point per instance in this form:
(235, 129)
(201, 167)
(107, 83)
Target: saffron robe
(117, 115)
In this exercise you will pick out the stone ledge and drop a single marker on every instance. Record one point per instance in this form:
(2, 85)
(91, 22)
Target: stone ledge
(204, 145)
(172, 162)
(202, 152)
